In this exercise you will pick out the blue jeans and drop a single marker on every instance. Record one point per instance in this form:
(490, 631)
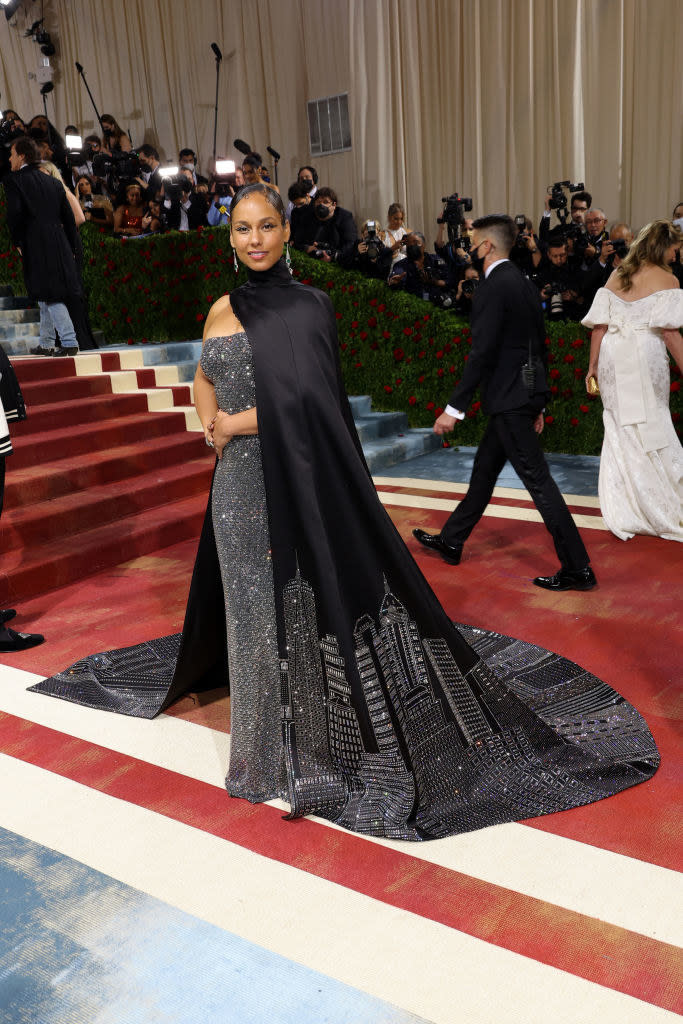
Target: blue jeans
(55, 315)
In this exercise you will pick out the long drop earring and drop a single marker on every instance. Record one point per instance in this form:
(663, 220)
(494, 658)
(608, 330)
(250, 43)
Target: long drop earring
(288, 258)
(235, 262)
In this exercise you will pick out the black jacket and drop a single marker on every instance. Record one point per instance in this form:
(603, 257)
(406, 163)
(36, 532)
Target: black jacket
(338, 233)
(506, 313)
(42, 225)
(196, 215)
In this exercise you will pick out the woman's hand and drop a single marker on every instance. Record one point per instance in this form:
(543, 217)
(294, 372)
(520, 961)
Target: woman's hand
(592, 372)
(221, 433)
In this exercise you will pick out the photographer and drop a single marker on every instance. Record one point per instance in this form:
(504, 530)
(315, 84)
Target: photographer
(561, 286)
(422, 273)
(185, 211)
(555, 199)
(396, 232)
(150, 178)
(464, 294)
(454, 249)
(610, 254)
(114, 139)
(323, 229)
(526, 252)
(370, 254)
(153, 220)
(221, 191)
(587, 247)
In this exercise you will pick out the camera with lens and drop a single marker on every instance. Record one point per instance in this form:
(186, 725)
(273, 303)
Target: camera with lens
(619, 245)
(520, 224)
(444, 299)
(321, 250)
(469, 286)
(372, 241)
(455, 208)
(558, 197)
(115, 167)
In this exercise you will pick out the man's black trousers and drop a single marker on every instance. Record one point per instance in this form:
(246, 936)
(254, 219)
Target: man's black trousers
(511, 435)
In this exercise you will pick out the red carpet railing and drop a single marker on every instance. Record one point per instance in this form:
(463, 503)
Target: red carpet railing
(403, 352)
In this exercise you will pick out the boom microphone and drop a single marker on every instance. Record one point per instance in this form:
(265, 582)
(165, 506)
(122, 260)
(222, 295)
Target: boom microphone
(273, 152)
(243, 146)
(216, 50)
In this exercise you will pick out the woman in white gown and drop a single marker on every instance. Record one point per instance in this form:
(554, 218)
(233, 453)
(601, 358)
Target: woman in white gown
(635, 319)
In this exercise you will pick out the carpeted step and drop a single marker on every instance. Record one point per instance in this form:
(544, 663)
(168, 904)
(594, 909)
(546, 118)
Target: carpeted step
(44, 482)
(95, 506)
(42, 392)
(51, 565)
(44, 419)
(88, 437)
(43, 368)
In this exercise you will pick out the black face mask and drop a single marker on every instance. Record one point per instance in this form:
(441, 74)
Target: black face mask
(323, 212)
(477, 261)
(414, 252)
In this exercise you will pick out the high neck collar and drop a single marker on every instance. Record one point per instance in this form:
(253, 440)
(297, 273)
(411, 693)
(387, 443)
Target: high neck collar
(278, 274)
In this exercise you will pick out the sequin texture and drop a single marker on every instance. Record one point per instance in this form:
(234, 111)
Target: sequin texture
(240, 523)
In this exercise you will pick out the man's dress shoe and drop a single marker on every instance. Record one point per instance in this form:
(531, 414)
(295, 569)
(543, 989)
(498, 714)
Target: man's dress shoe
(449, 552)
(11, 641)
(568, 579)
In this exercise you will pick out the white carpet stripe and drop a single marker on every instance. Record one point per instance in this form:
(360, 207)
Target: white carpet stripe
(620, 890)
(400, 957)
(498, 492)
(530, 515)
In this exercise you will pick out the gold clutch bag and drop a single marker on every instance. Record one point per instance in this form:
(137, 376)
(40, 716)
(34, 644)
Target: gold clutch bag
(592, 385)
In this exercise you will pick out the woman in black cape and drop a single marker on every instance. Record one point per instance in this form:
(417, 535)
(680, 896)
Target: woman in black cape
(353, 695)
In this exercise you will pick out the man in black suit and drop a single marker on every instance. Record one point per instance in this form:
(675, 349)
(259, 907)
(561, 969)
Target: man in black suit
(506, 318)
(324, 228)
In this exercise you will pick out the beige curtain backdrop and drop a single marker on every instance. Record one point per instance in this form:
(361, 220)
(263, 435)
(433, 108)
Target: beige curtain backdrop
(494, 98)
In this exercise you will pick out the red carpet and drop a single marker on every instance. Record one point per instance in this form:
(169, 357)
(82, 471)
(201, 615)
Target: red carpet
(95, 477)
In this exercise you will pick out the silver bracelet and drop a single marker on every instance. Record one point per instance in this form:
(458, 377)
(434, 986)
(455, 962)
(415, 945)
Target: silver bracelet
(209, 443)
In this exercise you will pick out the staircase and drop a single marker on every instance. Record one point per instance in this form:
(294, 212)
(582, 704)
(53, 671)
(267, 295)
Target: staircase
(104, 470)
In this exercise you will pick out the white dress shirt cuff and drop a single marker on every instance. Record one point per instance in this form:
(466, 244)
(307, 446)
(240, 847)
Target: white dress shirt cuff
(454, 412)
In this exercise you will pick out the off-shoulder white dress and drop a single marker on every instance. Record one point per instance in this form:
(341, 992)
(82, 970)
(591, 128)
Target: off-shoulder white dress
(641, 465)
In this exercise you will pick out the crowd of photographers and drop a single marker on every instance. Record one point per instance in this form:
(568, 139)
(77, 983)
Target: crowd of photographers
(128, 192)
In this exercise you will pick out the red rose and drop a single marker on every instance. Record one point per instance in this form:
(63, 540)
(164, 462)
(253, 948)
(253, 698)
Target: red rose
(386, 334)
(374, 346)
(199, 317)
(440, 372)
(420, 380)
(399, 380)
(560, 342)
(338, 316)
(363, 335)
(583, 408)
(381, 307)
(569, 358)
(398, 354)
(358, 365)
(476, 406)
(547, 343)
(388, 388)
(421, 354)
(329, 284)
(554, 374)
(574, 422)
(451, 369)
(354, 323)
(372, 321)
(437, 412)
(577, 343)
(675, 385)
(549, 420)
(578, 372)
(373, 302)
(554, 390)
(439, 354)
(430, 405)
(407, 331)
(412, 400)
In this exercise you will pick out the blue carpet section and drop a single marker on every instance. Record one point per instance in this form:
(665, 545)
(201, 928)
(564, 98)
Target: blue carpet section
(573, 474)
(78, 947)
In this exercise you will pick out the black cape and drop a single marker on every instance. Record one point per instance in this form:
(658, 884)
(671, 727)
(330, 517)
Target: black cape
(393, 722)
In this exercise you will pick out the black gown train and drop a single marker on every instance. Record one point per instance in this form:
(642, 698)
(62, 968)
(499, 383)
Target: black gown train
(353, 695)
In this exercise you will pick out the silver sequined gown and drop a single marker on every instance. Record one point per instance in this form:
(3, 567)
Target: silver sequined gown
(240, 523)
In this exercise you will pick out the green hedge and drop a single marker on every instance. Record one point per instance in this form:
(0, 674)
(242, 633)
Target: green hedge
(403, 352)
